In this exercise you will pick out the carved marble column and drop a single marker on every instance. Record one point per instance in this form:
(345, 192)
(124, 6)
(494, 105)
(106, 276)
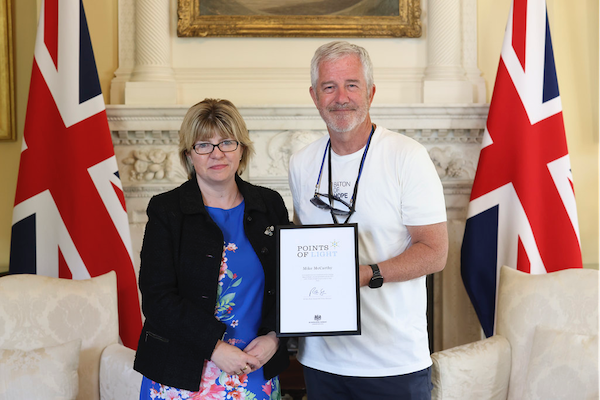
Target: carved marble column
(126, 10)
(445, 80)
(152, 80)
(469, 44)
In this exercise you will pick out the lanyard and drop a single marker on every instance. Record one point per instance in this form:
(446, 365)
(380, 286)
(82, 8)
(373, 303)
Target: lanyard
(355, 193)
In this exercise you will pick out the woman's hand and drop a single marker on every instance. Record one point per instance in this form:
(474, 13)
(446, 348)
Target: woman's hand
(232, 360)
(263, 348)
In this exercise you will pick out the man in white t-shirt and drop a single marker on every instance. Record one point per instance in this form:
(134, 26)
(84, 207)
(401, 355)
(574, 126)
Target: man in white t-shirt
(386, 183)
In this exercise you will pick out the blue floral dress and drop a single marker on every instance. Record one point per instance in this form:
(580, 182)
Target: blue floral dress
(239, 305)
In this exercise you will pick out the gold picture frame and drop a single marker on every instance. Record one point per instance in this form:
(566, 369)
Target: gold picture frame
(192, 23)
(7, 91)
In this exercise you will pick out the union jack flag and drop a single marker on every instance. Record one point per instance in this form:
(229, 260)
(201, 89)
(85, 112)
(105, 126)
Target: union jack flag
(522, 211)
(69, 218)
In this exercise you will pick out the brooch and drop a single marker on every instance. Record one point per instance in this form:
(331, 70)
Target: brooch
(269, 230)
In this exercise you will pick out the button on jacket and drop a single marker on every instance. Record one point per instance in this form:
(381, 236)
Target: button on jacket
(179, 273)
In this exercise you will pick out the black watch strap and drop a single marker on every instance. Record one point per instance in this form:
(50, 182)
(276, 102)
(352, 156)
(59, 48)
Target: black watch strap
(376, 280)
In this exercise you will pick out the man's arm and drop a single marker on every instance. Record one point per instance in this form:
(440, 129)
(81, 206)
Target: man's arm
(427, 254)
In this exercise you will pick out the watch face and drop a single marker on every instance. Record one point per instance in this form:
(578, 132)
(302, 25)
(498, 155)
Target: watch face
(376, 282)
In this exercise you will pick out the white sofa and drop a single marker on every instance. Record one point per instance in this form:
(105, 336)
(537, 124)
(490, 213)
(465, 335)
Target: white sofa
(59, 339)
(545, 346)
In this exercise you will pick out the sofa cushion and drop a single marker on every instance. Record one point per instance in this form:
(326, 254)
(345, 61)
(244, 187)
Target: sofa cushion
(562, 365)
(564, 301)
(38, 311)
(118, 379)
(473, 371)
(44, 373)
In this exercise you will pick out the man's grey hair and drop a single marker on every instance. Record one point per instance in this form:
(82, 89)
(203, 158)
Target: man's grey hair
(333, 51)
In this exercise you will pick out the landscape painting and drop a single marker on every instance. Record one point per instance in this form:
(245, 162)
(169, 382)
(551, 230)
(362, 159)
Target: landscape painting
(299, 18)
(357, 8)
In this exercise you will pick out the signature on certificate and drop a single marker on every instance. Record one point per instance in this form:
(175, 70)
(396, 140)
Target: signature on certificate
(316, 292)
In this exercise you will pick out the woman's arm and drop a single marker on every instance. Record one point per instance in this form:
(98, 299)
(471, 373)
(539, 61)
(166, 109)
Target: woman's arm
(166, 310)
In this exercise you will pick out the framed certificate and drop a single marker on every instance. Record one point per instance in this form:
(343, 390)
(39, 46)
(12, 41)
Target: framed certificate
(317, 280)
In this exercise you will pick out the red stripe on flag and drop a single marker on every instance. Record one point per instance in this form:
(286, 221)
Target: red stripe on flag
(519, 30)
(523, 263)
(120, 195)
(51, 29)
(572, 187)
(63, 268)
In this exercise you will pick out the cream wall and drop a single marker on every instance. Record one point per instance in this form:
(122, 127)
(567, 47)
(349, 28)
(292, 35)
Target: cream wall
(575, 38)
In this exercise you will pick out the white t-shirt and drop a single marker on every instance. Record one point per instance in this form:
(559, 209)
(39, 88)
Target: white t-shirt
(398, 186)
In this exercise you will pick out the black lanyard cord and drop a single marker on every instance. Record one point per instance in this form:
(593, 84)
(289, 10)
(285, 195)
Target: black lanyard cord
(355, 193)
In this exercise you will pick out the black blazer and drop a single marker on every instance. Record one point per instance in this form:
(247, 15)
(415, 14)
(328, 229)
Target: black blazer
(179, 272)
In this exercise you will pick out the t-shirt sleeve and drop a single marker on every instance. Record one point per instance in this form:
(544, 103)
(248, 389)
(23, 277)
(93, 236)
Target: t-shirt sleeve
(422, 192)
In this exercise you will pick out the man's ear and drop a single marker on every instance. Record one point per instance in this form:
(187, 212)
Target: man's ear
(313, 94)
(372, 94)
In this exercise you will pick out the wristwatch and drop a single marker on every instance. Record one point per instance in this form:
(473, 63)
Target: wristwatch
(376, 280)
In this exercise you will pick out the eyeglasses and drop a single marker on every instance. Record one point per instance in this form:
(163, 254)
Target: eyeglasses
(225, 146)
(324, 206)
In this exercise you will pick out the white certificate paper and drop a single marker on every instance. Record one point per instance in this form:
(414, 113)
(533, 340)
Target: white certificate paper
(318, 293)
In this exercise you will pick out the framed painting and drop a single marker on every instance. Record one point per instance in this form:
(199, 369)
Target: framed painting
(7, 99)
(299, 18)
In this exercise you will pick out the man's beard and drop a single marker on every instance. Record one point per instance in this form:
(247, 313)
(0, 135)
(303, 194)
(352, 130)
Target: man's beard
(344, 123)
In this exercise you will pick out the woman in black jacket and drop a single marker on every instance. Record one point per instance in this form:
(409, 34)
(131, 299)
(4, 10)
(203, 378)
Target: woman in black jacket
(207, 272)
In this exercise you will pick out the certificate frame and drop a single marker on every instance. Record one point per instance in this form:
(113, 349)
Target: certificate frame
(317, 280)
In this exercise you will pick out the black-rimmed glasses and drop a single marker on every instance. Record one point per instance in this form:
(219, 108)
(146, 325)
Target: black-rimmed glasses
(225, 146)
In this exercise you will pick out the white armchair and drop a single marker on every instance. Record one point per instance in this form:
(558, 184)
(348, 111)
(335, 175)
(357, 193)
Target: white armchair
(59, 339)
(545, 346)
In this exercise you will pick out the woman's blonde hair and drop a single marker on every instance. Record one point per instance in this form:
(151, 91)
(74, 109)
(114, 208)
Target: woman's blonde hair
(208, 118)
